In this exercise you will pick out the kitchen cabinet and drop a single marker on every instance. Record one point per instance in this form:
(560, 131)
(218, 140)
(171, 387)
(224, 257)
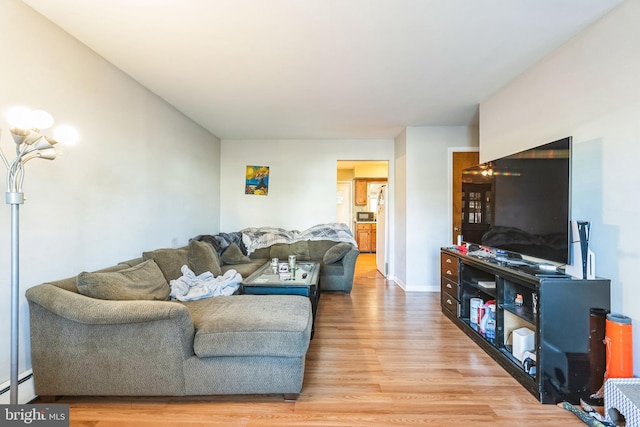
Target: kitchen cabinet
(361, 192)
(366, 236)
(373, 237)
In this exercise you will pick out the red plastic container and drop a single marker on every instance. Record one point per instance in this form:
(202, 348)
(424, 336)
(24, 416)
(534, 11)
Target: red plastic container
(618, 340)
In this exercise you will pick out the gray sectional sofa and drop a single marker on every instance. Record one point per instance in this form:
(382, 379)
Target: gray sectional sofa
(115, 331)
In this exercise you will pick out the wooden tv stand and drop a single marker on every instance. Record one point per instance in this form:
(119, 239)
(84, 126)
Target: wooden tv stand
(557, 308)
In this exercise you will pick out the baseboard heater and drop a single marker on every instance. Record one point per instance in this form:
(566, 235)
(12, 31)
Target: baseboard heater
(26, 390)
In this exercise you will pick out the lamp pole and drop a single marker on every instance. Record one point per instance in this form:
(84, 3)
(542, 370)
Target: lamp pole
(15, 200)
(30, 144)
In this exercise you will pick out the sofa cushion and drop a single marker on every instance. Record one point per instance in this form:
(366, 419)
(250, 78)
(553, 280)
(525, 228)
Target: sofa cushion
(262, 253)
(251, 325)
(169, 260)
(144, 281)
(336, 253)
(283, 250)
(233, 255)
(245, 270)
(203, 258)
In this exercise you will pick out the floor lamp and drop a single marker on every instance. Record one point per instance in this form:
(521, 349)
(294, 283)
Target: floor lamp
(30, 144)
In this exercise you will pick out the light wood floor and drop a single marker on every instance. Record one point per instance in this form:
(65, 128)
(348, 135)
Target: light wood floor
(380, 357)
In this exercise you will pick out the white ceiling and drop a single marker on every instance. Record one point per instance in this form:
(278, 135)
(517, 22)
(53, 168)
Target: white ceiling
(307, 69)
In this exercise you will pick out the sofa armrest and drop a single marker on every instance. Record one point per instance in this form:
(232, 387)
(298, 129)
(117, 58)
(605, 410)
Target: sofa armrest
(349, 264)
(83, 309)
(343, 282)
(86, 346)
(349, 259)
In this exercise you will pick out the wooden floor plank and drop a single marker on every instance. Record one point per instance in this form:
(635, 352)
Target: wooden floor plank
(379, 357)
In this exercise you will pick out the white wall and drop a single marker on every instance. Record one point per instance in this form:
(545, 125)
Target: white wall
(428, 208)
(588, 89)
(302, 181)
(398, 258)
(143, 175)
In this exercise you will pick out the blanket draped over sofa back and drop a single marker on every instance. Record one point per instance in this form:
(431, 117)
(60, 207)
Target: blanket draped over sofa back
(263, 237)
(332, 245)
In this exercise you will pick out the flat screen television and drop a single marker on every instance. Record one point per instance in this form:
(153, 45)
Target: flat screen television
(521, 203)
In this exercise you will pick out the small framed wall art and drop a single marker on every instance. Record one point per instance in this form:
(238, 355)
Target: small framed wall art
(257, 180)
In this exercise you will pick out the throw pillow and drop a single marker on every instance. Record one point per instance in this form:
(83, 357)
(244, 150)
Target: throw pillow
(203, 258)
(299, 249)
(233, 255)
(212, 240)
(144, 281)
(169, 260)
(336, 252)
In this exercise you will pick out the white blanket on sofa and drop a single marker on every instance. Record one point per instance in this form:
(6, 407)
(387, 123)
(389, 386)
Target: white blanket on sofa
(190, 287)
(263, 237)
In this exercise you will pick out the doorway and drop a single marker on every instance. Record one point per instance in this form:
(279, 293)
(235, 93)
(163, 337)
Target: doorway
(459, 160)
(362, 186)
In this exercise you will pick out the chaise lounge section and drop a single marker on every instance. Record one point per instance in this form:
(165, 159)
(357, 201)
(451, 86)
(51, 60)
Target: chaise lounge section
(108, 348)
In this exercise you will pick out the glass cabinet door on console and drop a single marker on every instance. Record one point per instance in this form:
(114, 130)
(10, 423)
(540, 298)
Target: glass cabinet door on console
(568, 365)
(518, 319)
(478, 293)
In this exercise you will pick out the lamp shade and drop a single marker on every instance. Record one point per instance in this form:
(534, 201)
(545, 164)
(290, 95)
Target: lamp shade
(29, 137)
(40, 119)
(66, 135)
(25, 118)
(42, 144)
(19, 117)
(48, 154)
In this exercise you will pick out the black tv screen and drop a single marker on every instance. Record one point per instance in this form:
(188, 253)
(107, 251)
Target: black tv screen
(520, 203)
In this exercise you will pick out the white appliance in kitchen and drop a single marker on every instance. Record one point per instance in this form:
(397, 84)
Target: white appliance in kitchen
(381, 232)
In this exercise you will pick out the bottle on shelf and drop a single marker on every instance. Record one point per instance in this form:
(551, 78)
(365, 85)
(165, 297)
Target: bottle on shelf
(485, 315)
(490, 331)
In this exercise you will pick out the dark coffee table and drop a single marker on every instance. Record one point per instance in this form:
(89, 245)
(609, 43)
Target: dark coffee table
(304, 282)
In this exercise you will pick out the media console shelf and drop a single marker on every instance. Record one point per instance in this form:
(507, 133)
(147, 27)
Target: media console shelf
(556, 308)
